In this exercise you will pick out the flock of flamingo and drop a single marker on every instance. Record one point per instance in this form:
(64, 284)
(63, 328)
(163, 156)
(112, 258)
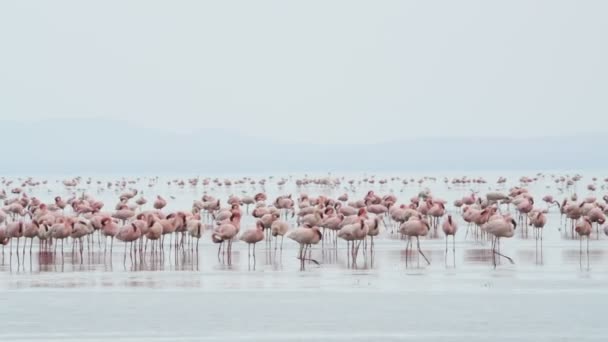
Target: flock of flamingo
(148, 230)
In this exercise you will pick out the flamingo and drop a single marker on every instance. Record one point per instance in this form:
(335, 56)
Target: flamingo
(583, 228)
(61, 230)
(159, 203)
(109, 228)
(354, 232)
(450, 227)
(414, 227)
(15, 231)
(252, 237)
(129, 234)
(305, 236)
(501, 227)
(225, 233)
(195, 229)
(279, 228)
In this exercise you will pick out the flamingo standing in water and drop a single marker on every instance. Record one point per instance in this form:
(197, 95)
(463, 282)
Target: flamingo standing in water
(538, 221)
(129, 234)
(15, 231)
(155, 231)
(436, 211)
(4, 238)
(414, 227)
(30, 231)
(373, 230)
(305, 236)
(279, 228)
(61, 230)
(109, 228)
(450, 227)
(195, 229)
(252, 237)
(354, 232)
(225, 232)
(583, 228)
(501, 227)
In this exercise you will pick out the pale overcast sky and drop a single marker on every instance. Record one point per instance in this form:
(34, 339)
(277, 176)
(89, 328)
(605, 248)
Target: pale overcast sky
(323, 71)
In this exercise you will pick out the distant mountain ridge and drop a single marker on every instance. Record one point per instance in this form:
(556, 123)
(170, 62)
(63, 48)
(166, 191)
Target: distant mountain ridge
(98, 146)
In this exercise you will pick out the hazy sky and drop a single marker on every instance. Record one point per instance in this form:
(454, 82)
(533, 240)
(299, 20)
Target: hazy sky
(324, 71)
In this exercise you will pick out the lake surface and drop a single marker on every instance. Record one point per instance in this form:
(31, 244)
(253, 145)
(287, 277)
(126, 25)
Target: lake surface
(186, 295)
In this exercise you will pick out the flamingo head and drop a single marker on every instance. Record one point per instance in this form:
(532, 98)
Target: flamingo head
(235, 217)
(362, 212)
(426, 223)
(318, 232)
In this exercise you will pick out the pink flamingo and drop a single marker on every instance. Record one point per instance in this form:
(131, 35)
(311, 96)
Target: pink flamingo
(123, 214)
(4, 238)
(128, 234)
(450, 227)
(225, 233)
(583, 228)
(538, 221)
(154, 231)
(159, 203)
(195, 229)
(30, 231)
(15, 231)
(60, 203)
(436, 211)
(279, 228)
(252, 237)
(373, 230)
(81, 229)
(61, 230)
(109, 228)
(414, 227)
(596, 215)
(502, 227)
(354, 232)
(525, 207)
(305, 236)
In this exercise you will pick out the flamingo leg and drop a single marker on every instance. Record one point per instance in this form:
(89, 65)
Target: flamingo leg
(446, 250)
(454, 249)
(502, 255)
(588, 252)
(420, 251)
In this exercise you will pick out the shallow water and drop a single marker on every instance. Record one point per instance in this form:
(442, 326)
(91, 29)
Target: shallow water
(190, 296)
